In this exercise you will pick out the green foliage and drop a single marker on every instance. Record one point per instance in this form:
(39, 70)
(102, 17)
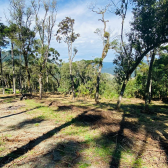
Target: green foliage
(160, 74)
(83, 91)
(106, 34)
(66, 32)
(108, 86)
(141, 79)
(98, 61)
(131, 89)
(65, 82)
(3, 31)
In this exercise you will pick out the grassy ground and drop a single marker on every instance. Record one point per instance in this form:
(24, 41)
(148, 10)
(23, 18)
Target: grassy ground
(59, 132)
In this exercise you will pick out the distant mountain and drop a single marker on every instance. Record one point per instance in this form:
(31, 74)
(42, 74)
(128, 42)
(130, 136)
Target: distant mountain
(108, 67)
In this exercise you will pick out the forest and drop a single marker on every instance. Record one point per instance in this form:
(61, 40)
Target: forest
(70, 114)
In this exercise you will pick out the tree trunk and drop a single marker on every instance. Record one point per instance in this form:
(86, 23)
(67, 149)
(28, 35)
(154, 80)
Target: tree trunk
(20, 75)
(46, 80)
(73, 87)
(72, 81)
(2, 78)
(27, 71)
(29, 85)
(148, 86)
(10, 85)
(40, 86)
(150, 91)
(98, 84)
(13, 65)
(122, 93)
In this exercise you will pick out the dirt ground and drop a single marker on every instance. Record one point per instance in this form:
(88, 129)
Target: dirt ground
(56, 132)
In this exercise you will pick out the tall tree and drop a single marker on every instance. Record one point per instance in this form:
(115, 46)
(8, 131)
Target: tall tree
(44, 28)
(21, 16)
(149, 82)
(67, 34)
(149, 30)
(3, 43)
(11, 34)
(105, 37)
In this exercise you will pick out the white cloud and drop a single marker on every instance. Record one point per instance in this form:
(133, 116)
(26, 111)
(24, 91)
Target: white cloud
(88, 44)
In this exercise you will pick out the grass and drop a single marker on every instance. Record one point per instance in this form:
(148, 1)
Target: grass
(2, 148)
(8, 135)
(1, 142)
(102, 150)
(40, 117)
(37, 124)
(9, 100)
(95, 130)
(84, 165)
(43, 111)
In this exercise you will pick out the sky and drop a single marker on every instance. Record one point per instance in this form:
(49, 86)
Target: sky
(89, 44)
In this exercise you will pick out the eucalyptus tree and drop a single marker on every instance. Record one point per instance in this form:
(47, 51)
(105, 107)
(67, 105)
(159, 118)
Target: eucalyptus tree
(66, 33)
(3, 43)
(21, 15)
(11, 34)
(44, 27)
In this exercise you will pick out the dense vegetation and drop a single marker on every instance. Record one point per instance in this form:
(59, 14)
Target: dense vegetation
(31, 65)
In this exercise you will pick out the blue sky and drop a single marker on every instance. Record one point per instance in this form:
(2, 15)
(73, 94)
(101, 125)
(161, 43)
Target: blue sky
(89, 44)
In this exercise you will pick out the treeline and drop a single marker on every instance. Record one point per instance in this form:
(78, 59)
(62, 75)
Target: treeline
(35, 66)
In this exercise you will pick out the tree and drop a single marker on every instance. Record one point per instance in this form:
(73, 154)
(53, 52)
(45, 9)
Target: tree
(160, 74)
(106, 46)
(52, 66)
(149, 82)
(3, 43)
(21, 19)
(149, 31)
(44, 27)
(66, 33)
(11, 34)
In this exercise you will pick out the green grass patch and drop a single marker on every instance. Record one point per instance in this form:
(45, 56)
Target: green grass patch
(40, 117)
(2, 148)
(8, 100)
(37, 124)
(138, 163)
(44, 111)
(84, 165)
(8, 135)
(1, 143)
(74, 130)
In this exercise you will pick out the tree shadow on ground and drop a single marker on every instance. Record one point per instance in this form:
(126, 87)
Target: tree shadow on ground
(9, 99)
(119, 139)
(20, 112)
(152, 124)
(120, 136)
(63, 154)
(10, 96)
(32, 143)
(111, 106)
(26, 123)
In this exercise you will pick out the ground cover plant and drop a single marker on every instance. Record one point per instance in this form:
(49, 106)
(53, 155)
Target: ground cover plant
(59, 132)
